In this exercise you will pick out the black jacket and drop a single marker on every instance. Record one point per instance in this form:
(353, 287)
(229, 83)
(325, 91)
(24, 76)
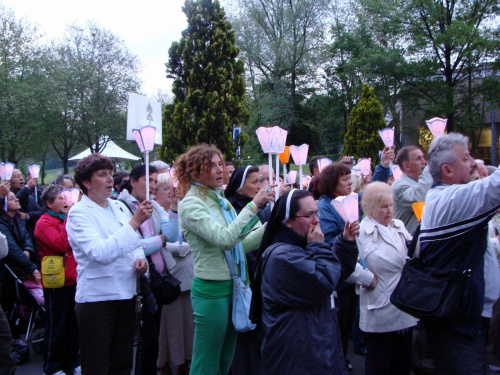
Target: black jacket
(18, 241)
(301, 333)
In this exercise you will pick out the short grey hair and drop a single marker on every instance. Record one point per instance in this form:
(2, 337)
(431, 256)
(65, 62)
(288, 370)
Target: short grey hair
(440, 152)
(159, 164)
(164, 179)
(49, 194)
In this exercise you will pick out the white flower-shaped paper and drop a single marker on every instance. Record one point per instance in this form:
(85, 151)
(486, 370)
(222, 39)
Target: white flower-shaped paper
(299, 154)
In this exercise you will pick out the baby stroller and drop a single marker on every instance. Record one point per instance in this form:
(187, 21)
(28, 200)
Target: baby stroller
(27, 314)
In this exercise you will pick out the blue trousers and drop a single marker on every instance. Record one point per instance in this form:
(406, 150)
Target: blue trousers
(455, 353)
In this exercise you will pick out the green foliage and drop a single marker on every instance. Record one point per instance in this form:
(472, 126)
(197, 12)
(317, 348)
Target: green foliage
(21, 87)
(209, 87)
(447, 44)
(367, 118)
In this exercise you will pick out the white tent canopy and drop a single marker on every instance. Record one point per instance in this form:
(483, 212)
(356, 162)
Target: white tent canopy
(111, 150)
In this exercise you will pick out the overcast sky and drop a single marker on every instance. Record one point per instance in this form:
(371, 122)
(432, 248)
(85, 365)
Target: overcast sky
(148, 27)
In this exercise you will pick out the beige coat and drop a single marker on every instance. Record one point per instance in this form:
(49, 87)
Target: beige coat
(384, 255)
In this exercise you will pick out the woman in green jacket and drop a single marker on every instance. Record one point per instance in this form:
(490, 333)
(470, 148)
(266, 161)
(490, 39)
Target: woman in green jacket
(210, 226)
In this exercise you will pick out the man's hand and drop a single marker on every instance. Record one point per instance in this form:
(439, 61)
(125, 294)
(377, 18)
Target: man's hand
(388, 156)
(4, 189)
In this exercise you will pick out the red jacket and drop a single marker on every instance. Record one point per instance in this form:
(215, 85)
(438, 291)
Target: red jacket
(52, 239)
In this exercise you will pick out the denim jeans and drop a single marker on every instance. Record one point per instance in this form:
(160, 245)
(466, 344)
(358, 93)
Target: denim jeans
(455, 353)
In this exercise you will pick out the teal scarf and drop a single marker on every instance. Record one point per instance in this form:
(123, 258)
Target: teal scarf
(59, 216)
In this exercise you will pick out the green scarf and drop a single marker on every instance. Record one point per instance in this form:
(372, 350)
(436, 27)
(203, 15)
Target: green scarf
(60, 215)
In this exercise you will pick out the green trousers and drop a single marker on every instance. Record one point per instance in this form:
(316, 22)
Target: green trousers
(214, 336)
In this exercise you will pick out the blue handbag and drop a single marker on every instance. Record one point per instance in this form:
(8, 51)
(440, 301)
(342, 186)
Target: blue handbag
(242, 296)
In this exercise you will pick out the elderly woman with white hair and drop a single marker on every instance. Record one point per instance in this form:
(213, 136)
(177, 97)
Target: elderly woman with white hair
(382, 244)
(176, 323)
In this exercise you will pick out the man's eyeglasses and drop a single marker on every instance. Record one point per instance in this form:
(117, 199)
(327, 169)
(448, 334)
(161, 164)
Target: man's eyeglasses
(168, 188)
(310, 216)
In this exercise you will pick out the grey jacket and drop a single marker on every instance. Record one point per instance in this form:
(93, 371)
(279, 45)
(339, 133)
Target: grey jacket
(407, 191)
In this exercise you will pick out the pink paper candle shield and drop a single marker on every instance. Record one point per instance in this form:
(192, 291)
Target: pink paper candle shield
(365, 165)
(387, 136)
(34, 170)
(323, 163)
(437, 125)
(299, 154)
(71, 196)
(2, 172)
(347, 207)
(272, 139)
(396, 171)
(9, 169)
(291, 177)
(173, 177)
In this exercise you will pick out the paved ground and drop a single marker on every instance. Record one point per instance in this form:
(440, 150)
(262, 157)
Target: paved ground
(34, 365)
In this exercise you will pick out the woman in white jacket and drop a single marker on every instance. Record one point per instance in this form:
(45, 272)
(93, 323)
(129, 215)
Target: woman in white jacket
(382, 244)
(103, 236)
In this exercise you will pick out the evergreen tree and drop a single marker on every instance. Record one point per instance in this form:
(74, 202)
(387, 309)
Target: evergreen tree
(367, 118)
(209, 87)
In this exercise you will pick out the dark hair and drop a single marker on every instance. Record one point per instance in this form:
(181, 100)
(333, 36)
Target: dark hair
(49, 194)
(59, 180)
(229, 163)
(86, 167)
(313, 163)
(330, 176)
(404, 155)
(118, 178)
(135, 174)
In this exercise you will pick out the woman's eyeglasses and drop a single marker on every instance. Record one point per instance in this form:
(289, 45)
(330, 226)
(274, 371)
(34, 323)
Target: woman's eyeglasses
(168, 188)
(310, 216)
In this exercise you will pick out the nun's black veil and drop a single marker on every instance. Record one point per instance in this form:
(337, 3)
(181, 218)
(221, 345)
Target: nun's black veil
(278, 215)
(234, 182)
(236, 179)
(274, 226)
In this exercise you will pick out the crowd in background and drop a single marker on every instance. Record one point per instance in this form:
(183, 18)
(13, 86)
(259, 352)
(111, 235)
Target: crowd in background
(317, 278)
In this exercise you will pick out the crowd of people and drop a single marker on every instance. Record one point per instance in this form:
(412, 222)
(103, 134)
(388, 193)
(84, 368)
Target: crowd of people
(317, 277)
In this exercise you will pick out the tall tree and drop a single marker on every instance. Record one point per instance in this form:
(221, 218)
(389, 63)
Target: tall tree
(281, 41)
(209, 87)
(447, 40)
(97, 72)
(367, 118)
(21, 86)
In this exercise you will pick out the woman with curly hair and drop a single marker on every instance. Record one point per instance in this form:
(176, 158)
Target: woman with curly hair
(210, 225)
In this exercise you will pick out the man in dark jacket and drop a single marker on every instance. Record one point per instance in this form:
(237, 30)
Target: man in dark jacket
(453, 235)
(30, 209)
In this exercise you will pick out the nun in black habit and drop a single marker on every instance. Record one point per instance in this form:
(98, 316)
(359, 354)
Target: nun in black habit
(297, 273)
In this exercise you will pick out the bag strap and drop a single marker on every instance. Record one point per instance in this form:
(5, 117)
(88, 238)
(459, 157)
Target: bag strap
(230, 263)
(414, 242)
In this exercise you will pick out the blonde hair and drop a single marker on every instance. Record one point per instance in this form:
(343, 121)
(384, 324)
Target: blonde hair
(356, 182)
(373, 195)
